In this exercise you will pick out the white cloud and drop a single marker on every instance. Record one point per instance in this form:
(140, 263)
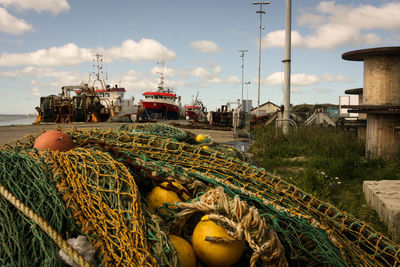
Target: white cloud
(209, 76)
(144, 50)
(328, 77)
(333, 25)
(277, 39)
(40, 75)
(275, 78)
(200, 72)
(71, 55)
(302, 79)
(228, 80)
(217, 69)
(137, 81)
(38, 72)
(341, 78)
(299, 79)
(67, 55)
(371, 39)
(13, 25)
(53, 6)
(311, 19)
(232, 79)
(206, 47)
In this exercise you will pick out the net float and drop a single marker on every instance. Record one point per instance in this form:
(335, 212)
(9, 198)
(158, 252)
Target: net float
(54, 140)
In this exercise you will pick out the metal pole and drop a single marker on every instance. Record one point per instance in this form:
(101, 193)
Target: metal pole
(286, 61)
(247, 83)
(261, 12)
(242, 56)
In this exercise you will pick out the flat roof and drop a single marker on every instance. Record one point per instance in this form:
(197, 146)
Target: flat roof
(354, 91)
(360, 55)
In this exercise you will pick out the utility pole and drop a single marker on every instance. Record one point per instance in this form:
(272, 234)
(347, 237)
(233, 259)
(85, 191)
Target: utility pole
(286, 61)
(242, 56)
(261, 12)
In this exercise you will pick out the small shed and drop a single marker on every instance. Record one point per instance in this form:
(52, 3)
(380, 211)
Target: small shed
(266, 109)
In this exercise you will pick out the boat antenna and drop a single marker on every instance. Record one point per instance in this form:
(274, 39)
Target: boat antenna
(99, 70)
(161, 75)
(195, 101)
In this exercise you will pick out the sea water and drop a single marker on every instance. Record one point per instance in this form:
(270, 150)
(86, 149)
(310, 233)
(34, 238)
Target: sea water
(10, 119)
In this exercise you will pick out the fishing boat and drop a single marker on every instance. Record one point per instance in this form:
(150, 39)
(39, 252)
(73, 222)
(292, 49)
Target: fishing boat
(91, 102)
(196, 110)
(162, 104)
(112, 98)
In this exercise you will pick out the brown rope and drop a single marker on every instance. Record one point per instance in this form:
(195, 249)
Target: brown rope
(52, 233)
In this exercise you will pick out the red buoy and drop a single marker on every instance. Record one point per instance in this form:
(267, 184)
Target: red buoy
(54, 140)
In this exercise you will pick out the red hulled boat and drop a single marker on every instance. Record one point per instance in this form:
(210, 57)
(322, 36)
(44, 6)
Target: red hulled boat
(162, 104)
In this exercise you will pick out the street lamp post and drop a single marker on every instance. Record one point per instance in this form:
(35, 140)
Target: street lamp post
(286, 61)
(242, 56)
(261, 12)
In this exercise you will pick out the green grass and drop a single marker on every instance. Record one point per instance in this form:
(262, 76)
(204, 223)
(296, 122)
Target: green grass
(325, 162)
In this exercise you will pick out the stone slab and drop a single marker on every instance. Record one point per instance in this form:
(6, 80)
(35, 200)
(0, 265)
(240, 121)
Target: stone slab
(384, 197)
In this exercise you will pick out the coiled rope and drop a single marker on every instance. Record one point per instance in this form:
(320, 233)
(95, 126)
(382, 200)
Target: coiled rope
(243, 223)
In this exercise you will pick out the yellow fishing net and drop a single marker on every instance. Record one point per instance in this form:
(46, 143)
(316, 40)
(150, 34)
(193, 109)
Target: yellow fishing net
(104, 180)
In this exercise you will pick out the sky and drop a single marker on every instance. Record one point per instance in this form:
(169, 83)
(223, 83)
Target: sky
(46, 44)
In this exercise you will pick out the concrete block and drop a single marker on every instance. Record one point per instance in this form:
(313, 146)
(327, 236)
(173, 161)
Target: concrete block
(384, 197)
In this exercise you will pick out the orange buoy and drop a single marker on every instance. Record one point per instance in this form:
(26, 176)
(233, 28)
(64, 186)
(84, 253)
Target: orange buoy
(54, 140)
(215, 254)
(160, 195)
(186, 255)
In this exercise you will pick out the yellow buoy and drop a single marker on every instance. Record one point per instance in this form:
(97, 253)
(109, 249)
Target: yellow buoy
(200, 138)
(215, 254)
(205, 147)
(186, 255)
(160, 195)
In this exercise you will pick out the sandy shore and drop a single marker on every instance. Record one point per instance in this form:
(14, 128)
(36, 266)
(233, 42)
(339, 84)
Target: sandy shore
(11, 133)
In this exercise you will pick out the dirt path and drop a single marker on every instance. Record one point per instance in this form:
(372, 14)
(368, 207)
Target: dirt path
(10, 133)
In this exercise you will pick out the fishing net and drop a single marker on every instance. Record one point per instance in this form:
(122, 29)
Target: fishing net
(103, 180)
(23, 243)
(105, 203)
(156, 129)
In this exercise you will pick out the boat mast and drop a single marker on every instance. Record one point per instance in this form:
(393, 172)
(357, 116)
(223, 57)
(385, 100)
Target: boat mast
(161, 75)
(99, 67)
